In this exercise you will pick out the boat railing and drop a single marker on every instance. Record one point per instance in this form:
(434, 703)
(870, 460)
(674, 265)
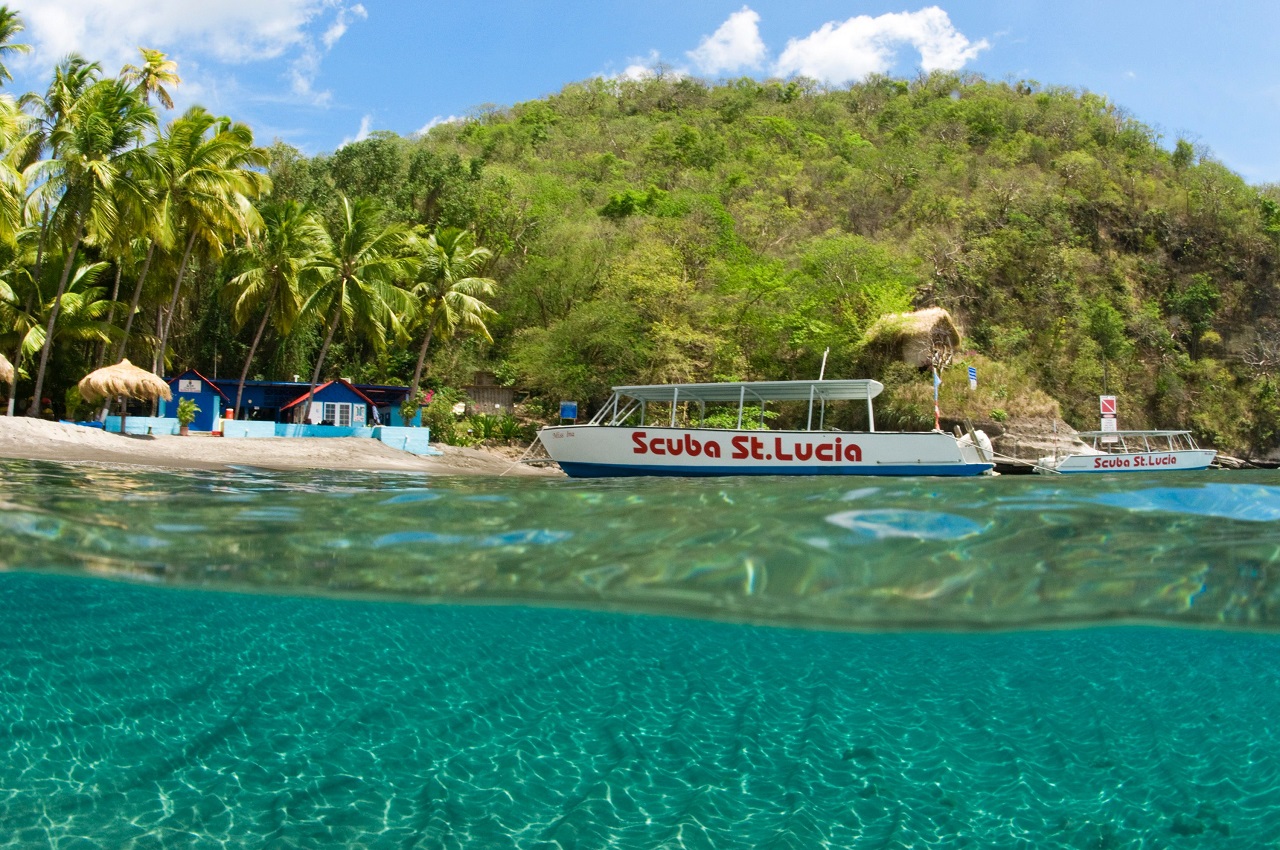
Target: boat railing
(631, 402)
(1131, 442)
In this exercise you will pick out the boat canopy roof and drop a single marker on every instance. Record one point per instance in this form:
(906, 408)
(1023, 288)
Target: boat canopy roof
(1091, 434)
(855, 390)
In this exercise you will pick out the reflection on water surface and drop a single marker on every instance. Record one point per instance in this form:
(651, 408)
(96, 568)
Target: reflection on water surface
(1190, 548)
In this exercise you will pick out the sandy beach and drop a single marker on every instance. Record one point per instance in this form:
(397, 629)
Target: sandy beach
(35, 439)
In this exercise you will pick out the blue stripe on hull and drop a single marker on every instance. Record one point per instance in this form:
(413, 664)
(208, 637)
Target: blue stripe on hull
(608, 470)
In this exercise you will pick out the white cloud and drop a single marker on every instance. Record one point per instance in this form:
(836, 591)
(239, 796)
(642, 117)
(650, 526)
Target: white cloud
(840, 52)
(640, 68)
(366, 125)
(436, 122)
(229, 31)
(735, 45)
(338, 28)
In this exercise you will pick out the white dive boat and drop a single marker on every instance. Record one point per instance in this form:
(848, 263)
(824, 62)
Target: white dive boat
(623, 439)
(1131, 451)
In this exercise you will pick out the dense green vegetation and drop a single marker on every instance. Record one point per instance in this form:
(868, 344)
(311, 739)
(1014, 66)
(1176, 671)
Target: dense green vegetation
(671, 229)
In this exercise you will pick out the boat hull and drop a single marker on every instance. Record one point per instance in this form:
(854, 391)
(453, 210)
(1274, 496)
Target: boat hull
(596, 451)
(1135, 462)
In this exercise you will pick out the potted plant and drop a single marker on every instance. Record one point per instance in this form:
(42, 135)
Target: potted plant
(187, 410)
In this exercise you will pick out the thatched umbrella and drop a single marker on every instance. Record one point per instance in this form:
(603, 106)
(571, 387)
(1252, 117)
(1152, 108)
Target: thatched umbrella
(123, 379)
(914, 337)
(6, 371)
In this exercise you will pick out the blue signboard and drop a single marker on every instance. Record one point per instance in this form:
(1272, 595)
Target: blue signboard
(973, 377)
(569, 410)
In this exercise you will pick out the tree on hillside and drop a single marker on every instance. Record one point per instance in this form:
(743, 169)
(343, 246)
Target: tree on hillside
(447, 292)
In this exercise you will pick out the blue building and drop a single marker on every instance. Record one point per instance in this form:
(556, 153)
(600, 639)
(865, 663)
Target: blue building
(335, 403)
(266, 401)
(210, 400)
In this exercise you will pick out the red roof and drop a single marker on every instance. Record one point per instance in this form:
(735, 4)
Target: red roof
(174, 381)
(346, 384)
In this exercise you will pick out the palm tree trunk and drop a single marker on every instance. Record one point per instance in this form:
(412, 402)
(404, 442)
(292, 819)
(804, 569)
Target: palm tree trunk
(13, 386)
(173, 302)
(244, 373)
(17, 360)
(111, 316)
(324, 352)
(422, 359)
(155, 402)
(34, 409)
(39, 270)
(133, 306)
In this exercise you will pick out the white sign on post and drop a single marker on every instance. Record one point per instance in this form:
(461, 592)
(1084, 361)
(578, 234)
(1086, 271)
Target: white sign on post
(1109, 425)
(1107, 404)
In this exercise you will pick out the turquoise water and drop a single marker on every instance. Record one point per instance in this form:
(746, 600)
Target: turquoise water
(196, 660)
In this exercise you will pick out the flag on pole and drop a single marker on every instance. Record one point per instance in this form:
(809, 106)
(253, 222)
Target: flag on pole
(937, 414)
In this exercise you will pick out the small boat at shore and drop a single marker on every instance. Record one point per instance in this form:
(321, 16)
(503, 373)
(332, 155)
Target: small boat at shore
(1131, 451)
(624, 438)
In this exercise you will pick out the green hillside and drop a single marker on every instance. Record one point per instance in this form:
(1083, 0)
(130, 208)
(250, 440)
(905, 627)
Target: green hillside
(672, 230)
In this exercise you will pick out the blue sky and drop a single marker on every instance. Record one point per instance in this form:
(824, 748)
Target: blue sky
(318, 73)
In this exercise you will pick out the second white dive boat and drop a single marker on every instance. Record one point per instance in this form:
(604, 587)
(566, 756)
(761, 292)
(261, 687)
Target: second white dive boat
(1131, 451)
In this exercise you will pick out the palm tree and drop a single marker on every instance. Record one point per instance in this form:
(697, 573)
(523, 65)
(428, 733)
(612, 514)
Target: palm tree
(19, 298)
(26, 303)
(10, 26)
(353, 279)
(156, 70)
(210, 179)
(14, 136)
(144, 226)
(94, 160)
(71, 79)
(447, 291)
(291, 240)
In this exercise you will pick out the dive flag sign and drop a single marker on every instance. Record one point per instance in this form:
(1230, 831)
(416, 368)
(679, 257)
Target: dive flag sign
(1108, 405)
(973, 377)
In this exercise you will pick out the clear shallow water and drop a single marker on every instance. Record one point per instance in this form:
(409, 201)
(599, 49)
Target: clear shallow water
(161, 716)
(1187, 548)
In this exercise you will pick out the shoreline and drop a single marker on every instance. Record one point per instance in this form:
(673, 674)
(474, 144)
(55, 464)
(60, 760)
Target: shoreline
(23, 438)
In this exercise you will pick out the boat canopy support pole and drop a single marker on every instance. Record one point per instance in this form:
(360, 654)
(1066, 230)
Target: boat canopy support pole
(675, 400)
(632, 406)
(742, 401)
(809, 425)
(871, 416)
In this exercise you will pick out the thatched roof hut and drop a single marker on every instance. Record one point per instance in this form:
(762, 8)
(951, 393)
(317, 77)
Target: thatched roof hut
(912, 337)
(123, 379)
(6, 370)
